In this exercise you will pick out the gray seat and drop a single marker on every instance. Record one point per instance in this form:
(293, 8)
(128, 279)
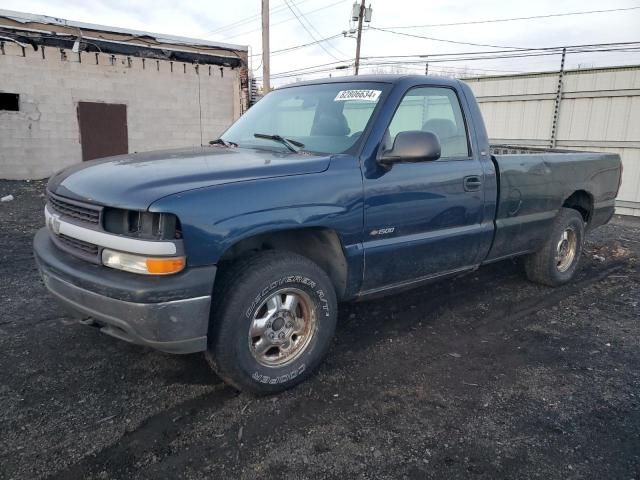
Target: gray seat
(453, 143)
(442, 127)
(331, 125)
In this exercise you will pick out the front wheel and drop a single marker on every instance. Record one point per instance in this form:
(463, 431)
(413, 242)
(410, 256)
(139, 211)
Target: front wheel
(556, 262)
(272, 322)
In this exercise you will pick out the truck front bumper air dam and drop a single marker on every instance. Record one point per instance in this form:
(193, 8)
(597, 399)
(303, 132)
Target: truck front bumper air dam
(169, 313)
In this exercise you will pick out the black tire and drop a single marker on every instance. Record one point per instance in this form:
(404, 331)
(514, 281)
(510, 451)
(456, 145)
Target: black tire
(245, 286)
(543, 266)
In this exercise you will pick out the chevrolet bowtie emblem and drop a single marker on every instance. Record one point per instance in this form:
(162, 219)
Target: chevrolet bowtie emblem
(54, 223)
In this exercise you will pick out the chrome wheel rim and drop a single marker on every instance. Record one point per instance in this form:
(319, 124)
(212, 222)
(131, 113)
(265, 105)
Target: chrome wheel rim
(566, 249)
(282, 327)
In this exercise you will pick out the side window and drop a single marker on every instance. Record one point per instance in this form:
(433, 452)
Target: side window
(432, 109)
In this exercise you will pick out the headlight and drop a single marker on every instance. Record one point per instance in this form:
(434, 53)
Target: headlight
(141, 264)
(149, 225)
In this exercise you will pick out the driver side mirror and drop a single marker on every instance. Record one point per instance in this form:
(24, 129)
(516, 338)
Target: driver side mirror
(412, 146)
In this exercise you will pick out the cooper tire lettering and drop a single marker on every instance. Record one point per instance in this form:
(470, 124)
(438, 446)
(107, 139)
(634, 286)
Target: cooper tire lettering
(278, 380)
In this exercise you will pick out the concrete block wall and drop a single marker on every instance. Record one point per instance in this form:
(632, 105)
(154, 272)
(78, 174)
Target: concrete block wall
(169, 104)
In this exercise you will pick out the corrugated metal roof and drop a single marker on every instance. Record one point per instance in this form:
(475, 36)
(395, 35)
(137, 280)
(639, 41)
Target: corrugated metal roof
(22, 17)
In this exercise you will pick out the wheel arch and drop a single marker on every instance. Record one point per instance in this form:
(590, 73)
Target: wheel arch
(581, 201)
(321, 245)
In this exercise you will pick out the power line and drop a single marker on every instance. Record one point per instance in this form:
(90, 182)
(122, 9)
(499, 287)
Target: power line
(246, 20)
(507, 56)
(474, 22)
(309, 31)
(468, 56)
(242, 21)
(302, 16)
(419, 69)
(296, 47)
(389, 29)
(283, 7)
(286, 20)
(451, 67)
(333, 70)
(431, 55)
(317, 41)
(303, 69)
(493, 52)
(443, 68)
(443, 40)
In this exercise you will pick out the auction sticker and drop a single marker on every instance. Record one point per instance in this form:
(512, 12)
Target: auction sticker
(365, 95)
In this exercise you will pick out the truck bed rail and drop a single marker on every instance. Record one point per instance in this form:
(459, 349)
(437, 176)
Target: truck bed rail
(501, 149)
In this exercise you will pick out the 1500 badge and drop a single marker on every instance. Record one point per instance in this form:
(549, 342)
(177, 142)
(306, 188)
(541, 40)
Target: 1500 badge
(382, 231)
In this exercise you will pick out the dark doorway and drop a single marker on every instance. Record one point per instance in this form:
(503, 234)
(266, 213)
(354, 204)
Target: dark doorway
(103, 129)
(9, 101)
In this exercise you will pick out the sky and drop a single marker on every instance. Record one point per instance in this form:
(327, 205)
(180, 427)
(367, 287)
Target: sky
(238, 22)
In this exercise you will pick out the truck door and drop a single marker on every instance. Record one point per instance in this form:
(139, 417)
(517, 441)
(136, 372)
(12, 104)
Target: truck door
(424, 219)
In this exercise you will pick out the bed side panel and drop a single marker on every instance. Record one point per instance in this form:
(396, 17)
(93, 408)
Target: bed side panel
(533, 187)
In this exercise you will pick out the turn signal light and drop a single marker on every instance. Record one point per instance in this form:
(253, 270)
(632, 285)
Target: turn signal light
(165, 266)
(130, 262)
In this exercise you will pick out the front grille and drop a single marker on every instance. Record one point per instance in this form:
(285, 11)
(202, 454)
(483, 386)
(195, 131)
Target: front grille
(78, 248)
(75, 244)
(84, 212)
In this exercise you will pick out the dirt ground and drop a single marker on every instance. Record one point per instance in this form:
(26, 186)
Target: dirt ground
(485, 376)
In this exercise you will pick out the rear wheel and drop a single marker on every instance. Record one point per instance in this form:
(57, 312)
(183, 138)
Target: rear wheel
(272, 322)
(556, 262)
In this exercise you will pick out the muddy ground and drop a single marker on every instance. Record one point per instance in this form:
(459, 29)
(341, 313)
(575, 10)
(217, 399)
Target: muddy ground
(485, 376)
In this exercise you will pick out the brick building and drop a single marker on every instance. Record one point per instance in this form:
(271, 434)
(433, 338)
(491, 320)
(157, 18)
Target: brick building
(72, 91)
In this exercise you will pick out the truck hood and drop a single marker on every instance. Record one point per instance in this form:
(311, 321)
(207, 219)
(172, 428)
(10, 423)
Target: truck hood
(136, 180)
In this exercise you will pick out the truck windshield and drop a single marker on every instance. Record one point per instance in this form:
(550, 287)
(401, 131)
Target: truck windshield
(326, 118)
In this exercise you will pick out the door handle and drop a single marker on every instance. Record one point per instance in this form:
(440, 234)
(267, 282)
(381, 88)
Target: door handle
(472, 183)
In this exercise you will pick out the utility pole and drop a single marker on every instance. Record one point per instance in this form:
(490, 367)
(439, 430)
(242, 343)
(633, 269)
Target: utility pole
(266, 84)
(360, 16)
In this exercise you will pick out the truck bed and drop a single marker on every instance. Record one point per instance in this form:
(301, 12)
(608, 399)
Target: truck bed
(533, 183)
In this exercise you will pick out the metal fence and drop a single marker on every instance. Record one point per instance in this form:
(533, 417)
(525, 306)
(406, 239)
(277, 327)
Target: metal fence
(592, 109)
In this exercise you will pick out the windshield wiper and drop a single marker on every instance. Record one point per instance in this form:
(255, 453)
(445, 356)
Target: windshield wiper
(224, 143)
(287, 142)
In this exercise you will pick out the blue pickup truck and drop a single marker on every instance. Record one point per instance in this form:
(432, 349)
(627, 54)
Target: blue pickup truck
(323, 192)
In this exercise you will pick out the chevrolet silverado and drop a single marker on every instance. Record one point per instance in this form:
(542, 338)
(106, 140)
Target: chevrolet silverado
(323, 192)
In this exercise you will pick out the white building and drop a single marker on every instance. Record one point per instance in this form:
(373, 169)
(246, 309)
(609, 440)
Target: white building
(71, 91)
(595, 109)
